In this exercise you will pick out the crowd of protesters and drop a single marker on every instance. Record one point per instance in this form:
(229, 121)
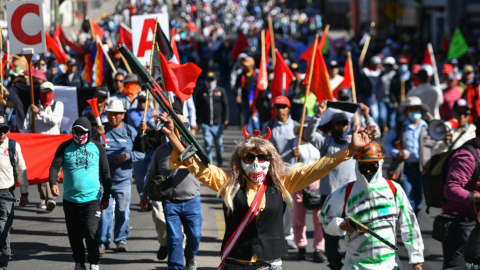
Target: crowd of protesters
(396, 93)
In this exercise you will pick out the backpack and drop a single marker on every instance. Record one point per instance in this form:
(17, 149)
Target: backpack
(434, 176)
(11, 154)
(349, 187)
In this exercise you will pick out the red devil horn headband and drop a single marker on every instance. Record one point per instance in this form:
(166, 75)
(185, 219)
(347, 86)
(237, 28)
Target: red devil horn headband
(256, 133)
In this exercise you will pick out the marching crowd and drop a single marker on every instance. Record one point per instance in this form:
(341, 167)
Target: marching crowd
(329, 164)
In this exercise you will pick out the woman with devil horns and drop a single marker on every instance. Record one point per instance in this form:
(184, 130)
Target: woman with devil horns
(258, 187)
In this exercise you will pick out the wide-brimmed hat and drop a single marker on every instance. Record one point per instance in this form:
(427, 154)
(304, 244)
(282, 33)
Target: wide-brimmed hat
(116, 105)
(412, 101)
(130, 78)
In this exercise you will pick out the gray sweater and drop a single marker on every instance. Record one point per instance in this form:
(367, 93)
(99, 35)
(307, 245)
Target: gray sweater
(283, 137)
(185, 185)
(343, 173)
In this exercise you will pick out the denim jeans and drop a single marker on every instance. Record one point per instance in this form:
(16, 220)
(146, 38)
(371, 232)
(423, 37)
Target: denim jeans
(249, 121)
(386, 114)
(141, 169)
(121, 193)
(413, 187)
(186, 213)
(212, 134)
(6, 221)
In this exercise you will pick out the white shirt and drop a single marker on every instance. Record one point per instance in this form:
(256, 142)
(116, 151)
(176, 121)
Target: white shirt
(46, 122)
(6, 170)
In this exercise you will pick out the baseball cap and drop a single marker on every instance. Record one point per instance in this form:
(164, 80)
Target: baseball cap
(344, 93)
(130, 78)
(375, 60)
(447, 69)
(333, 64)
(281, 100)
(339, 117)
(47, 85)
(389, 61)
(461, 103)
(101, 92)
(467, 69)
(143, 95)
(454, 62)
(403, 60)
(294, 66)
(3, 122)
(71, 62)
(211, 76)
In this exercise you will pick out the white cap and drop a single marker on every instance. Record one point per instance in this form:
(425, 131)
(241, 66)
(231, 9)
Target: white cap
(428, 69)
(116, 105)
(47, 85)
(375, 60)
(389, 61)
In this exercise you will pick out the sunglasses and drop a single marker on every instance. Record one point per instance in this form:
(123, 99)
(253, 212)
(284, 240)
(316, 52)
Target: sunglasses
(118, 81)
(367, 166)
(462, 113)
(80, 131)
(280, 107)
(249, 158)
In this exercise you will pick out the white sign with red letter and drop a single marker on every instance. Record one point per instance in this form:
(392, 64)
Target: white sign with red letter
(142, 34)
(25, 27)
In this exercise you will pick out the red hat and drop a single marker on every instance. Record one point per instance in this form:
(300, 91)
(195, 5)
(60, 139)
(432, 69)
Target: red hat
(281, 100)
(447, 69)
(403, 60)
(415, 68)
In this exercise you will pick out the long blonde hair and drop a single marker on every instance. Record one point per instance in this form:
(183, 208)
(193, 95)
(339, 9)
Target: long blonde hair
(277, 171)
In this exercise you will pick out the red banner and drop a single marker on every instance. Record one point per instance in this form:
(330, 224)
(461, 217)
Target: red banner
(38, 151)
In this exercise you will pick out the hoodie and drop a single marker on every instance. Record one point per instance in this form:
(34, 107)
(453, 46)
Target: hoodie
(85, 168)
(372, 203)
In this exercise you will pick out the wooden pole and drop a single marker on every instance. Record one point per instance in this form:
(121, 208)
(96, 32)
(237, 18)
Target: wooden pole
(354, 91)
(364, 51)
(310, 72)
(272, 41)
(402, 89)
(107, 56)
(263, 68)
(32, 96)
(126, 64)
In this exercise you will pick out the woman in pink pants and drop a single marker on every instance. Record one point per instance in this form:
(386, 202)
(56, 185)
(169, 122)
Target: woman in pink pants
(308, 155)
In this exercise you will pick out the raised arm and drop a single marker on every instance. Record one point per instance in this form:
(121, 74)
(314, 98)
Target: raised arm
(315, 138)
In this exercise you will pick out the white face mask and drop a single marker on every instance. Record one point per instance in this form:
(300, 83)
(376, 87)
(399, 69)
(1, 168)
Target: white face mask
(256, 172)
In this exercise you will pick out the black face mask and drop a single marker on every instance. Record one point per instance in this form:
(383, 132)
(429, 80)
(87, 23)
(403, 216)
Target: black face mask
(339, 136)
(369, 175)
(372, 170)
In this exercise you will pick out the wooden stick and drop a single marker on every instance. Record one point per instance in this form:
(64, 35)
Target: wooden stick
(126, 64)
(263, 68)
(32, 96)
(107, 56)
(364, 51)
(310, 72)
(272, 41)
(402, 89)
(153, 46)
(354, 91)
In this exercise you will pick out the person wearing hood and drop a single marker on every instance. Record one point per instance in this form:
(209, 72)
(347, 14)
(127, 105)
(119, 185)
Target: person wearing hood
(48, 117)
(121, 156)
(380, 205)
(85, 170)
(327, 144)
(214, 115)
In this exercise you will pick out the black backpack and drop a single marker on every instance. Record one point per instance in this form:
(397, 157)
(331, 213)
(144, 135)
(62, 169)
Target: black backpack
(434, 176)
(11, 154)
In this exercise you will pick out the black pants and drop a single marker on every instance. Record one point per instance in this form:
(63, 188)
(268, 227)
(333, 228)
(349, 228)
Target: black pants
(82, 222)
(454, 243)
(6, 220)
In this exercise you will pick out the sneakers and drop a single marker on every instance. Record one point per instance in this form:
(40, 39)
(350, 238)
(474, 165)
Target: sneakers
(302, 254)
(51, 205)
(121, 247)
(78, 266)
(319, 256)
(291, 244)
(101, 248)
(191, 265)
(94, 267)
(42, 205)
(162, 253)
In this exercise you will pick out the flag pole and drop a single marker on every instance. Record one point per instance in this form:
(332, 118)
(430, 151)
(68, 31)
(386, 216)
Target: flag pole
(354, 91)
(310, 72)
(107, 56)
(402, 89)
(32, 96)
(145, 111)
(364, 50)
(126, 64)
(272, 41)
(434, 63)
(263, 57)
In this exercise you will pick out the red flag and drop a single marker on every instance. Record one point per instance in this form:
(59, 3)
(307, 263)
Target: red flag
(281, 68)
(173, 43)
(180, 79)
(320, 83)
(347, 80)
(59, 35)
(262, 81)
(97, 31)
(267, 45)
(427, 60)
(125, 36)
(308, 53)
(62, 57)
(192, 26)
(240, 44)
(38, 145)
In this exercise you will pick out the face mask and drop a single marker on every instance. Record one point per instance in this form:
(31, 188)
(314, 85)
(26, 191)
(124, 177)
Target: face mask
(455, 70)
(340, 136)
(46, 99)
(256, 172)
(80, 139)
(369, 175)
(414, 116)
(403, 68)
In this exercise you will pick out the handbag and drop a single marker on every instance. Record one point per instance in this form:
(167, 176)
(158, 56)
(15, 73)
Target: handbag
(159, 188)
(311, 199)
(442, 225)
